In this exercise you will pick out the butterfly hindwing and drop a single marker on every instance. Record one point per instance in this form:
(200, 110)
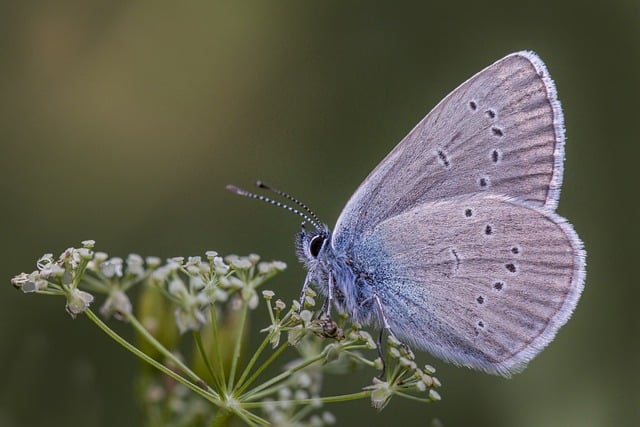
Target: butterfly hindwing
(472, 290)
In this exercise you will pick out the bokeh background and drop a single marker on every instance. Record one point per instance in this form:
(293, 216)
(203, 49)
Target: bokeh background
(123, 121)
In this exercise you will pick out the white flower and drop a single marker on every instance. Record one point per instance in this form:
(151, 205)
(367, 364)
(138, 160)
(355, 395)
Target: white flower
(178, 288)
(220, 266)
(135, 265)
(53, 270)
(239, 263)
(189, 319)
(304, 380)
(194, 260)
(112, 267)
(273, 266)
(300, 395)
(89, 244)
(211, 254)
(268, 294)
(78, 301)
(381, 392)
(162, 273)
(117, 303)
(20, 280)
(196, 283)
(253, 301)
(44, 261)
(85, 253)
(153, 261)
(328, 418)
(306, 316)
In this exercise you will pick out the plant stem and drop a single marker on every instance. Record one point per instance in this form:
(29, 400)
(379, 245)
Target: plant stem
(259, 391)
(205, 358)
(53, 293)
(242, 387)
(80, 272)
(221, 419)
(208, 395)
(329, 399)
(217, 346)
(412, 397)
(238, 347)
(94, 284)
(166, 353)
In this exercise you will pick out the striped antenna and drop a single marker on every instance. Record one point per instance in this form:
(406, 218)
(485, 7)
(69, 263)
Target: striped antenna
(245, 193)
(287, 196)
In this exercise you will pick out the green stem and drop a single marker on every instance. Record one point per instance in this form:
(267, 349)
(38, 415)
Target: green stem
(54, 293)
(238, 347)
(303, 412)
(250, 418)
(80, 272)
(412, 397)
(242, 387)
(396, 374)
(221, 419)
(96, 285)
(217, 346)
(270, 310)
(208, 395)
(328, 399)
(361, 359)
(259, 391)
(166, 353)
(205, 358)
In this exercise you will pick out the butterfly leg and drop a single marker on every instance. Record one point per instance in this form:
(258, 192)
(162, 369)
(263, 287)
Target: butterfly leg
(329, 302)
(386, 327)
(326, 307)
(303, 293)
(385, 322)
(381, 355)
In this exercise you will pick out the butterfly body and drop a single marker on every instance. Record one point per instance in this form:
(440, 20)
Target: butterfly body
(338, 275)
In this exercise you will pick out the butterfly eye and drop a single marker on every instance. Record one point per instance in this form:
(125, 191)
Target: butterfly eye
(315, 245)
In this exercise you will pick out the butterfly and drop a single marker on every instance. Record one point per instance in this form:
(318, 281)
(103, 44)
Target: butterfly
(452, 243)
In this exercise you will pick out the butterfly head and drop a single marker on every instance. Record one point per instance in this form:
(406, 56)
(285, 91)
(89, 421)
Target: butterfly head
(312, 245)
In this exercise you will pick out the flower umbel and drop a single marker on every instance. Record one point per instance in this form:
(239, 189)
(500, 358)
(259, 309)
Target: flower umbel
(224, 376)
(404, 379)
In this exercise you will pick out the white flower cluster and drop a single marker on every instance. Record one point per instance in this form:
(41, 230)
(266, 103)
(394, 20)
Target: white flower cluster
(195, 284)
(60, 277)
(192, 284)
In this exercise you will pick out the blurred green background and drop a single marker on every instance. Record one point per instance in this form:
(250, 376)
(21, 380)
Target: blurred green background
(123, 121)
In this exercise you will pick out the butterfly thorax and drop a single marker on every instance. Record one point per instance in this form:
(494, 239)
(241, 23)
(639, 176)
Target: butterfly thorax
(337, 275)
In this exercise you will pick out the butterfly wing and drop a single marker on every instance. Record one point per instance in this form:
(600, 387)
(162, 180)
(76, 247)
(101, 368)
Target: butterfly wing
(500, 132)
(470, 289)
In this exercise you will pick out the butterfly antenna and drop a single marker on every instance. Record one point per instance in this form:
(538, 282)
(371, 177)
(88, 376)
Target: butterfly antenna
(245, 193)
(289, 197)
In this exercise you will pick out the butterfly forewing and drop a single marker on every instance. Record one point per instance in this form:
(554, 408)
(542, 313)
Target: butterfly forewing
(500, 132)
